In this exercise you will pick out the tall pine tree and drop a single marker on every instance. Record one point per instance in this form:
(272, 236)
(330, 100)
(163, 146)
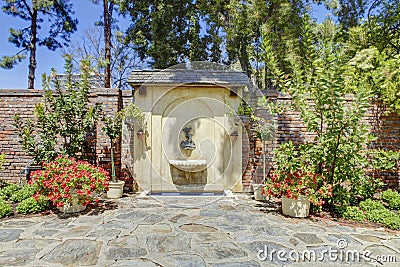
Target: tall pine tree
(56, 16)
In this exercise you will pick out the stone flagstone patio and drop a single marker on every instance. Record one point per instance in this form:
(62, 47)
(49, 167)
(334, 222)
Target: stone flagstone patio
(187, 231)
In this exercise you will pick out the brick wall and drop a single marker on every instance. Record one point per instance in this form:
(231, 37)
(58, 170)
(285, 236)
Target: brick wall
(257, 159)
(386, 127)
(22, 102)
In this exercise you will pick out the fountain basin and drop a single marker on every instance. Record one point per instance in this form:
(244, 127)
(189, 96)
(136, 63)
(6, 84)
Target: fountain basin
(189, 165)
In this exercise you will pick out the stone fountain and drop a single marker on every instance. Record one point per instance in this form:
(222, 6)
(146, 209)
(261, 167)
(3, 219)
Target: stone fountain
(187, 145)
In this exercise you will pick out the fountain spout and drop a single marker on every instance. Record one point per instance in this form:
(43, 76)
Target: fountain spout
(188, 144)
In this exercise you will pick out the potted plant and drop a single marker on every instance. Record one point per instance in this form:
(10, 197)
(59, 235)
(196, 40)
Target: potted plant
(296, 183)
(113, 129)
(69, 184)
(244, 112)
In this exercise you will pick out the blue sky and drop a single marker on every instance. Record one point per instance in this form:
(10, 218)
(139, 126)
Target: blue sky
(87, 14)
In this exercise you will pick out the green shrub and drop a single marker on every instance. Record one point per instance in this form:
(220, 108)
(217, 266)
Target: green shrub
(7, 191)
(25, 192)
(385, 217)
(370, 204)
(31, 205)
(392, 198)
(2, 161)
(352, 213)
(5, 209)
(3, 183)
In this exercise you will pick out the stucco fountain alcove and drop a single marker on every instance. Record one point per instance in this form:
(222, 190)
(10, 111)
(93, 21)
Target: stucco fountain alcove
(191, 142)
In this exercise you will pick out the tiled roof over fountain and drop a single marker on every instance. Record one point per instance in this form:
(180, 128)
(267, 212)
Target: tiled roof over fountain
(185, 76)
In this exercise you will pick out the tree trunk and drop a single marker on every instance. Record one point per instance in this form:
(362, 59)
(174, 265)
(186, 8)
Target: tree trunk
(32, 48)
(107, 10)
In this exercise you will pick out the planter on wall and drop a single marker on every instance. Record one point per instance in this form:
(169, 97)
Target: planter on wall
(115, 189)
(298, 208)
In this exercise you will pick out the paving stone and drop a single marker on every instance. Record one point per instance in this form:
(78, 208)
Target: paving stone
(308, 238)
(236, 264)
(207, 237)
(393, 244)
(17, 257)
(7, 235)
(368, 238)
(306, 227)
(78, 231)
(220, 250)
(168, 243)
(34, 243)
(105, 234)
(212, 213)
(176, 218)
(238, 219)
(154, 228)
(154, 218)
(381, 233)
(18, 224)
(45, 232)
(114, 224)
(268, 230)
(75, 252)
(55, 224)
(135, 262)
(195, 228)
(186, 260)
(125, 253)
(134, 215)
(231, 228)
(123, 241)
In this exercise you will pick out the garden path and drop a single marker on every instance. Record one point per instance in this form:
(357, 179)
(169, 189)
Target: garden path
(187, 231)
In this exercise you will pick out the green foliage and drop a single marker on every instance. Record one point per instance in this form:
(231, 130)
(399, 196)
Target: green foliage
(370, 204)
(23, 193)
(2, 161)
(3, 183)
(31, 205)
(352, 213)
(8, 191)
(392, 198)
(5, 209)
(381, 159)
(318, 84)
(62, 119)
(385, 217)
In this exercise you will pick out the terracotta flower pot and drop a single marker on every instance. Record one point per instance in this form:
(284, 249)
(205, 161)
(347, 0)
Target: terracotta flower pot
(298, 208)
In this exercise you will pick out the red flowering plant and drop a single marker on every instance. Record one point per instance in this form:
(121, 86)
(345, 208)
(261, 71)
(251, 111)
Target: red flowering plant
(294, 177)
(66, 180)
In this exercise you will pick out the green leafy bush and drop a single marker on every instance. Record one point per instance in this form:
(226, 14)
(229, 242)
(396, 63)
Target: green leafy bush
(25, 192)
(7, 191)
(3, 183)
(369, 204)
(5, 209)
(392, 198)
(31, 205)
(385, 217)
(352, 213)
(2, 160)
